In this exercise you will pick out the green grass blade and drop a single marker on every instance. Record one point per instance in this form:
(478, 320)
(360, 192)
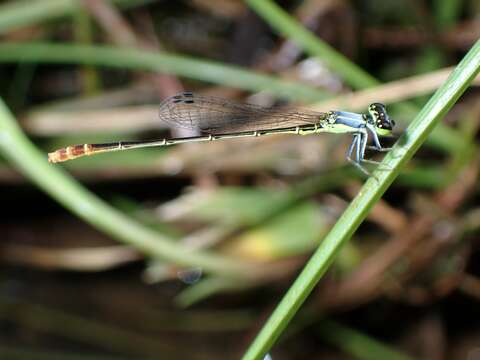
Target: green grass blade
(374, 188)
(447, 12)
(357, 344)
(137, 59)
(17, 14)
(33, 353)
(280, 20)
(22, 154)
(208, 287)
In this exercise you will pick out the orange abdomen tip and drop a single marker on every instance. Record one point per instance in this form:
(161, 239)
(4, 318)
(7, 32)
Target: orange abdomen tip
(69, 153)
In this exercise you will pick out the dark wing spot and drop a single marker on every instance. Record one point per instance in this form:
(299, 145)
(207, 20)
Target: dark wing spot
(184, 98)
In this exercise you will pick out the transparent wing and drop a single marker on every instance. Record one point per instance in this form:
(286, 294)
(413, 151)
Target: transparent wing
(216, 115)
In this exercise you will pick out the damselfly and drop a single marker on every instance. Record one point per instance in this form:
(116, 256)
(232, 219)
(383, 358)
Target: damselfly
(219, 119)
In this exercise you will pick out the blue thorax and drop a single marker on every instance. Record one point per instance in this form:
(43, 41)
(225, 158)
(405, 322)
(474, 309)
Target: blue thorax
(350, 119)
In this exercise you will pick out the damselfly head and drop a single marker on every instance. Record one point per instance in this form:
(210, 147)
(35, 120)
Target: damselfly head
(382, 122)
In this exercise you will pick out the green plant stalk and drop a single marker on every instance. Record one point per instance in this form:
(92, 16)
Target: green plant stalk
(447, 12)
(357, 344)
(280, 20)
(48, 320)
(22, 154)
(83, 32)
(17, 14)
(206, 288)
(136, 59)
(374, 188)
(33, 353)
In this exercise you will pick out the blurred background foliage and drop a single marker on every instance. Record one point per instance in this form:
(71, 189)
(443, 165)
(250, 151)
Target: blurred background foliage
(183, 252)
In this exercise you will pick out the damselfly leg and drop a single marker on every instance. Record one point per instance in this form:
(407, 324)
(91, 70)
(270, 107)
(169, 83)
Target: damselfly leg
(359, 145)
